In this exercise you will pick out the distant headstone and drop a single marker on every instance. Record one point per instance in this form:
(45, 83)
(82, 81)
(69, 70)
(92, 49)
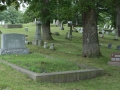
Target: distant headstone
(52, 46)
(54, 22)
(102, 35)
(57, 23)
(40, 43)
(116, 38)
(13, 44)
(118, 47)
(45, 45)
(26, 29)
(109, 46)
(115, 59)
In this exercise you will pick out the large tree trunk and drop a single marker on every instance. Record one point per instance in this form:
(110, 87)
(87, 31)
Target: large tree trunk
(46, 34)
(118, 21)
(91, 46)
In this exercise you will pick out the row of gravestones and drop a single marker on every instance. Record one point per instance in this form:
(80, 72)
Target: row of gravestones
(110, 46)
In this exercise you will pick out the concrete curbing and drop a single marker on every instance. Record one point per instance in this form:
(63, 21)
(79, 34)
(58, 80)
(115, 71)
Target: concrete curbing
(60, 77)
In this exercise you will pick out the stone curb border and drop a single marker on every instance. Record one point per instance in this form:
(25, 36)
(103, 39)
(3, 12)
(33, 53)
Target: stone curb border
(60, 77)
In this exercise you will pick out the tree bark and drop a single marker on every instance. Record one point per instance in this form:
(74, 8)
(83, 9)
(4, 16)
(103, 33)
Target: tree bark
(118, 21)
(91, 46)
(46, 34)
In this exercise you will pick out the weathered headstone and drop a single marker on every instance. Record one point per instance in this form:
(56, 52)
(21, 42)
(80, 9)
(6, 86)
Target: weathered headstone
(116, 38)
(45, 45)
(26, 29)
(13, 44)
(54, 22)
(115, 59)
(52, 46)
(109, 46)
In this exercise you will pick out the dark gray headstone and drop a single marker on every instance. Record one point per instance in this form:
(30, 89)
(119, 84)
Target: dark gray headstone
(109, 46)
(118, 47)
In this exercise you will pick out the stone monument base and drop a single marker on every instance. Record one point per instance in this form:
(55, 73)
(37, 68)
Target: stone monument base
(37, 42)
(114, 63)
(14, 51)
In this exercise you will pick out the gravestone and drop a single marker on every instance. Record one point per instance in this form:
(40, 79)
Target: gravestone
(109, 46)
(45, 45)
(115, 59)
(38, 36)
(118, 47)
(26, 29)
(116, 38)
(13, 44)
(52, 46)
(54, 22)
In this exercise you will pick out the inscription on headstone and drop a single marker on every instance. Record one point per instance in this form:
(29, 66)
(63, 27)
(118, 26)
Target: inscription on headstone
(115, 57)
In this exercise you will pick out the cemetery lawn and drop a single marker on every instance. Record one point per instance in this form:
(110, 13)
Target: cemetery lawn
(66, 51)
(40, 64)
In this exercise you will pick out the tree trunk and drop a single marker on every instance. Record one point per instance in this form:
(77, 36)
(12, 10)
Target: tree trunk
(91, 46)
(46, 34)
(118, 21)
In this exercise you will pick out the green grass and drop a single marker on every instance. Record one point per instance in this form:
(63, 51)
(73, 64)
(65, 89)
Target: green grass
(40, 64)
(66, 50)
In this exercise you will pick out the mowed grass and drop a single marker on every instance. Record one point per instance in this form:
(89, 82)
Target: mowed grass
(40, 64)
(66, 50)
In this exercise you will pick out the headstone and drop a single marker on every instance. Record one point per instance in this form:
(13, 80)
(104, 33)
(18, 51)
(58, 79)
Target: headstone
(116, 38)
(40, 43)
(113, 31)
(109, 46)
(53, 21)
(61, 26)
(37, 33)
(52, 46)
(115, 59)
(103, 31)
(26, 29)
(57, 23)
(118, 47)
(45, 45)
(13, 44)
